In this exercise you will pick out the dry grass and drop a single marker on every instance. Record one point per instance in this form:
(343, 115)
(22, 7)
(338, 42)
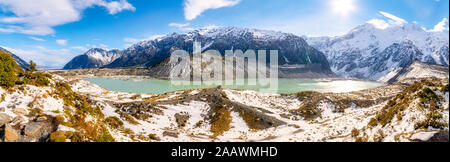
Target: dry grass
(220, 121)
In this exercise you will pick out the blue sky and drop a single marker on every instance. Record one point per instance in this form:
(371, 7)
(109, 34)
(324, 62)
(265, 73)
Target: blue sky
(52, 32)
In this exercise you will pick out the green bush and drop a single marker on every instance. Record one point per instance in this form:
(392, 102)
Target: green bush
(153, 136)
(8, 69)
(38, 79)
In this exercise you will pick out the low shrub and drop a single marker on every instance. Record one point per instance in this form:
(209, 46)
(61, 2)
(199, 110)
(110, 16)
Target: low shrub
(58, 136)
(355, 132)
(153, 136)
(220, 121)
(8, 70)
(114, 122)
(445, 88)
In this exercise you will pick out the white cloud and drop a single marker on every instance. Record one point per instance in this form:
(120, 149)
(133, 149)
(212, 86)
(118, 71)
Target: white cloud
(81, 48)
(39, 18)
(393, 19)
(194, 8)
(131, 41)
(441, 26)
(178, 25)
(113, 7)
(102, 46)
(37, 39)
(62, 42)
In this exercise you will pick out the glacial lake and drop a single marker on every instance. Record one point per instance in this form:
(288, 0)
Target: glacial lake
(285, 86)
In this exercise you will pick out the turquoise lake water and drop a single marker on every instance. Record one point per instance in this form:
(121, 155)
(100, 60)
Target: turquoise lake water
(285, 86)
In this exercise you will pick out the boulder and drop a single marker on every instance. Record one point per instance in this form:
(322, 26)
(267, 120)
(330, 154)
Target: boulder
(11, 134)
(33, 128)
(173, 134)
(4, 119)
(20, 111)
(17, 120)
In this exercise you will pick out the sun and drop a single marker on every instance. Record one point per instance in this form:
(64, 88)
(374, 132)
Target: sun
(343, 7)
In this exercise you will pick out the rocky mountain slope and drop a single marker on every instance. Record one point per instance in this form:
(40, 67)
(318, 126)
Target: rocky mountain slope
(94, 58)
(23, 64)
(368, 52)
(417, 69)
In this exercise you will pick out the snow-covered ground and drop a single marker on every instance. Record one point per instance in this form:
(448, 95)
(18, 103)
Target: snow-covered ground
(197, 107)
(330, 126)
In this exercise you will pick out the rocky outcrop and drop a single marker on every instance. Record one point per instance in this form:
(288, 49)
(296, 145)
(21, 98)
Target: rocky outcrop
(4, 118)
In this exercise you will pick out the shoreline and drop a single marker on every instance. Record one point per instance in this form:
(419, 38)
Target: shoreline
(317, 85)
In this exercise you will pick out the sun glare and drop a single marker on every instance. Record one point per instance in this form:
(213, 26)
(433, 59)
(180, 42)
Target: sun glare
(343, 7)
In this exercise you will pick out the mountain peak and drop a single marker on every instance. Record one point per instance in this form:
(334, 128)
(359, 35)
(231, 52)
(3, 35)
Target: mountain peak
(371, 49)
(93, 58)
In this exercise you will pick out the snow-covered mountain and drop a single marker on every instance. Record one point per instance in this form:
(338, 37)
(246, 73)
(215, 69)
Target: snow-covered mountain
(369, 52)
(94, 58)
(19, 61)
(292, 50)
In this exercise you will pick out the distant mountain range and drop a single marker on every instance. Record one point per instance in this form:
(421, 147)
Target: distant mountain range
(23, 64)
(94, 58)
(293, 50)
(368, 52)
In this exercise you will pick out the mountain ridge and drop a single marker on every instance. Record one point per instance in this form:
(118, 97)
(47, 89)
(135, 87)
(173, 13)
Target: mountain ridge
(293, 50)
(93, 58)
(352, 54)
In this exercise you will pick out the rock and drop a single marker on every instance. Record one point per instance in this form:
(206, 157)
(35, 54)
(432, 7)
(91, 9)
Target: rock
(20, 111)
(433, 136)
(10, 134)
(182, 119)
(2, 109)
(32, 128)
(41, 119)
(441, 136)
(4, 119)
(17, 120)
